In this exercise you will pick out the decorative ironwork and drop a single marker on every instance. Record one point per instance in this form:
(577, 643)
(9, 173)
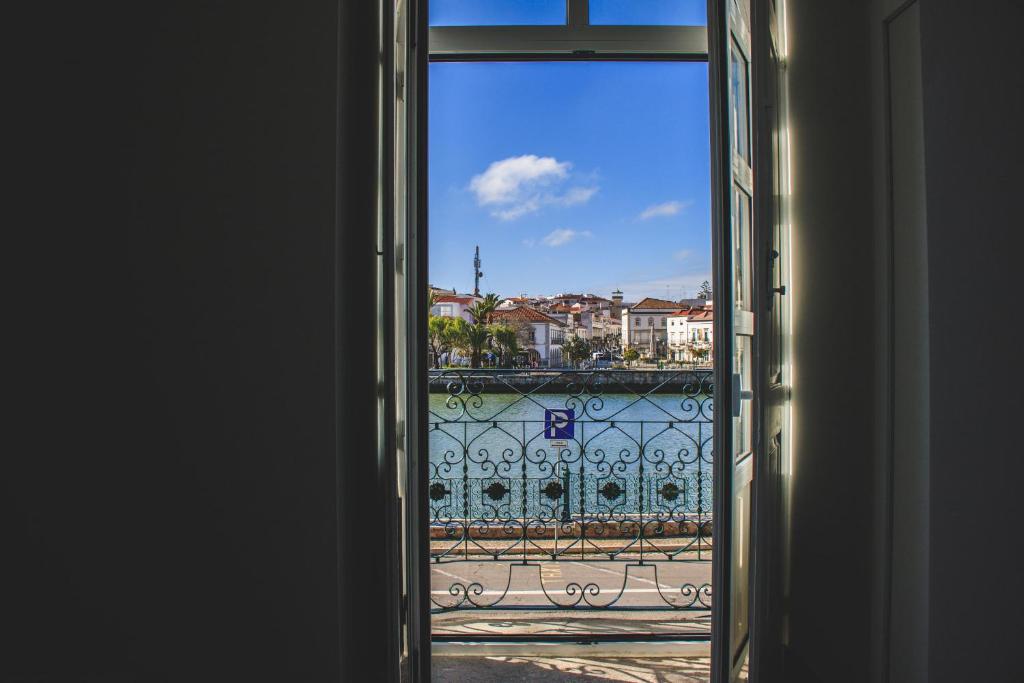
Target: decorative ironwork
(438, 491)
(553, 490)
(611, 490)
(496, 491)
(669, 491)
(632, 486)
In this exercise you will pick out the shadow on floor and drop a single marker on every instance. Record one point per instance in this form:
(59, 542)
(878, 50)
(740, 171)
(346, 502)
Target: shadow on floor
(575, 669)
(583, 623)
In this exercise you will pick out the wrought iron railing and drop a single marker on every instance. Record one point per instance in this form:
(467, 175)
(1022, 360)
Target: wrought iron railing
(630, 481)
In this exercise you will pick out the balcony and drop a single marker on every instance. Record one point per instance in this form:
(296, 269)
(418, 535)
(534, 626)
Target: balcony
(567, 490)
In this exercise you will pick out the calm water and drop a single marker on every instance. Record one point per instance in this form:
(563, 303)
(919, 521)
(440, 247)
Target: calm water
(636, 443)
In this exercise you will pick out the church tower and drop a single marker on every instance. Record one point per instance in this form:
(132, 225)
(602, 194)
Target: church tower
(616, 309)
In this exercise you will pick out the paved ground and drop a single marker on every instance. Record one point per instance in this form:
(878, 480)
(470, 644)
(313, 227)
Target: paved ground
(576, 623)
(535, 584)
(538, 584)
(574, 669)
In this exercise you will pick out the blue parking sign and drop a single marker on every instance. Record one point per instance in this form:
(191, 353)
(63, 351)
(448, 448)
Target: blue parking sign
(559, 423)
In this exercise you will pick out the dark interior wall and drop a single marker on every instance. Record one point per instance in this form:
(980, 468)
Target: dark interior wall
(172, 499)
(833, 589)
(974, 105)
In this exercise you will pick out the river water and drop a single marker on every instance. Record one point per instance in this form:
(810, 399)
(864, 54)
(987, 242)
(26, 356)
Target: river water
(653, 451)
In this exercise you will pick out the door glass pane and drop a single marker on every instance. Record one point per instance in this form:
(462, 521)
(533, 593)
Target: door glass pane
(777, 249)
(649, 12)
(742, 436)
(497, 12)
(739, 588)
(741, 249)
(738, 70)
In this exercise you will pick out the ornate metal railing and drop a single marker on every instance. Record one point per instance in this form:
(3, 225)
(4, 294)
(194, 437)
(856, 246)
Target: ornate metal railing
(535, 467)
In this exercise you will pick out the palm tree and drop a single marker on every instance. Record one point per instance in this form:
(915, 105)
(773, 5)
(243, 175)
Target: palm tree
(481, 310)
(476, 338)
(491, 300)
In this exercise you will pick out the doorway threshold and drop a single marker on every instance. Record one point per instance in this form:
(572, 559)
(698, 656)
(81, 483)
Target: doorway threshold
(596, 648)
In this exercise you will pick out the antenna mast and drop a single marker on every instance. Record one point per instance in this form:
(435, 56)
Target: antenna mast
(476, 272)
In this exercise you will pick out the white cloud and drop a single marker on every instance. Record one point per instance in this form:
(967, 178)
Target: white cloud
(529, 206)
(502, 182)
(682, 254)
(528, 243)
(664, 209)
(577, 195)
(517, 186)
(562, 236)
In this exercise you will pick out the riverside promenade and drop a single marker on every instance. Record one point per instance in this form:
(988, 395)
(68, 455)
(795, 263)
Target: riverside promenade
(557, 381)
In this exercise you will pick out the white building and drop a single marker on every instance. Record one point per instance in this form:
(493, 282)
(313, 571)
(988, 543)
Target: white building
(454, 306)
(691, 335)
(594, 325)
(645, 327)
(544, 334)
(513, 301)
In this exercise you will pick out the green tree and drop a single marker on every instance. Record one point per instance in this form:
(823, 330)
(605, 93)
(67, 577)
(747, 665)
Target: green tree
(576, 349)
(631, 355)
(481, 310)
(705, 291)
(436, 326)
(477, 336)
(444, 335)
(505, 339)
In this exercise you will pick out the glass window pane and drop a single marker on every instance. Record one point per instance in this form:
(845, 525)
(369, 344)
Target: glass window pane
(649, 12)
(497, 12)
(742, 425)
(739, 88)
(740, 574)
(741, 264)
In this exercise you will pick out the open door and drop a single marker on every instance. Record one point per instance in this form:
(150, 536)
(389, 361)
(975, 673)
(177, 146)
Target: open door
(748, 109)
(407, 85)
(735, 357)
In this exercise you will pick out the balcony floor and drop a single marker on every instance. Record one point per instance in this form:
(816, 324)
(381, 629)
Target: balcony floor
(574, 669)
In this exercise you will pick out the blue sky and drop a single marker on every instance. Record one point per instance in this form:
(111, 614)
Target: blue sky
(550, 12)
(571, 176)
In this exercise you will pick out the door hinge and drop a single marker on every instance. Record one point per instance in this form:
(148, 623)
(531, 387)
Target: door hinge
(400, 259)
(400, 86)
(404, 609)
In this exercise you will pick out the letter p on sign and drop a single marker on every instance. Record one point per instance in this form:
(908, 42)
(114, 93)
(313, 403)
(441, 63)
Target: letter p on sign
(559, 423)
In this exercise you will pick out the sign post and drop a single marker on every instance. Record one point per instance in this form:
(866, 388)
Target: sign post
(559, 427)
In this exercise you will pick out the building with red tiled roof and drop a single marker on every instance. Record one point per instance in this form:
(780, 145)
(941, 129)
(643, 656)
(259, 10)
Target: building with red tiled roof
(522, 314)
(541, 336)
(652, 304)
(691, 335)
(645, 327)
(453, 306)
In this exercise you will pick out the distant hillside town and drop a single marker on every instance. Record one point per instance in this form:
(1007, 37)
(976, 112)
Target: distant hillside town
(566, 329)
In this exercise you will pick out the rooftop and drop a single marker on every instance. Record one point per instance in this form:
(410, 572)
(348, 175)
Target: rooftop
(449, 299)
(523, 314)
(653, 304)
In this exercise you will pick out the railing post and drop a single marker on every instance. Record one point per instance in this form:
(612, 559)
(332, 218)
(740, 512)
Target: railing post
(566, 500)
